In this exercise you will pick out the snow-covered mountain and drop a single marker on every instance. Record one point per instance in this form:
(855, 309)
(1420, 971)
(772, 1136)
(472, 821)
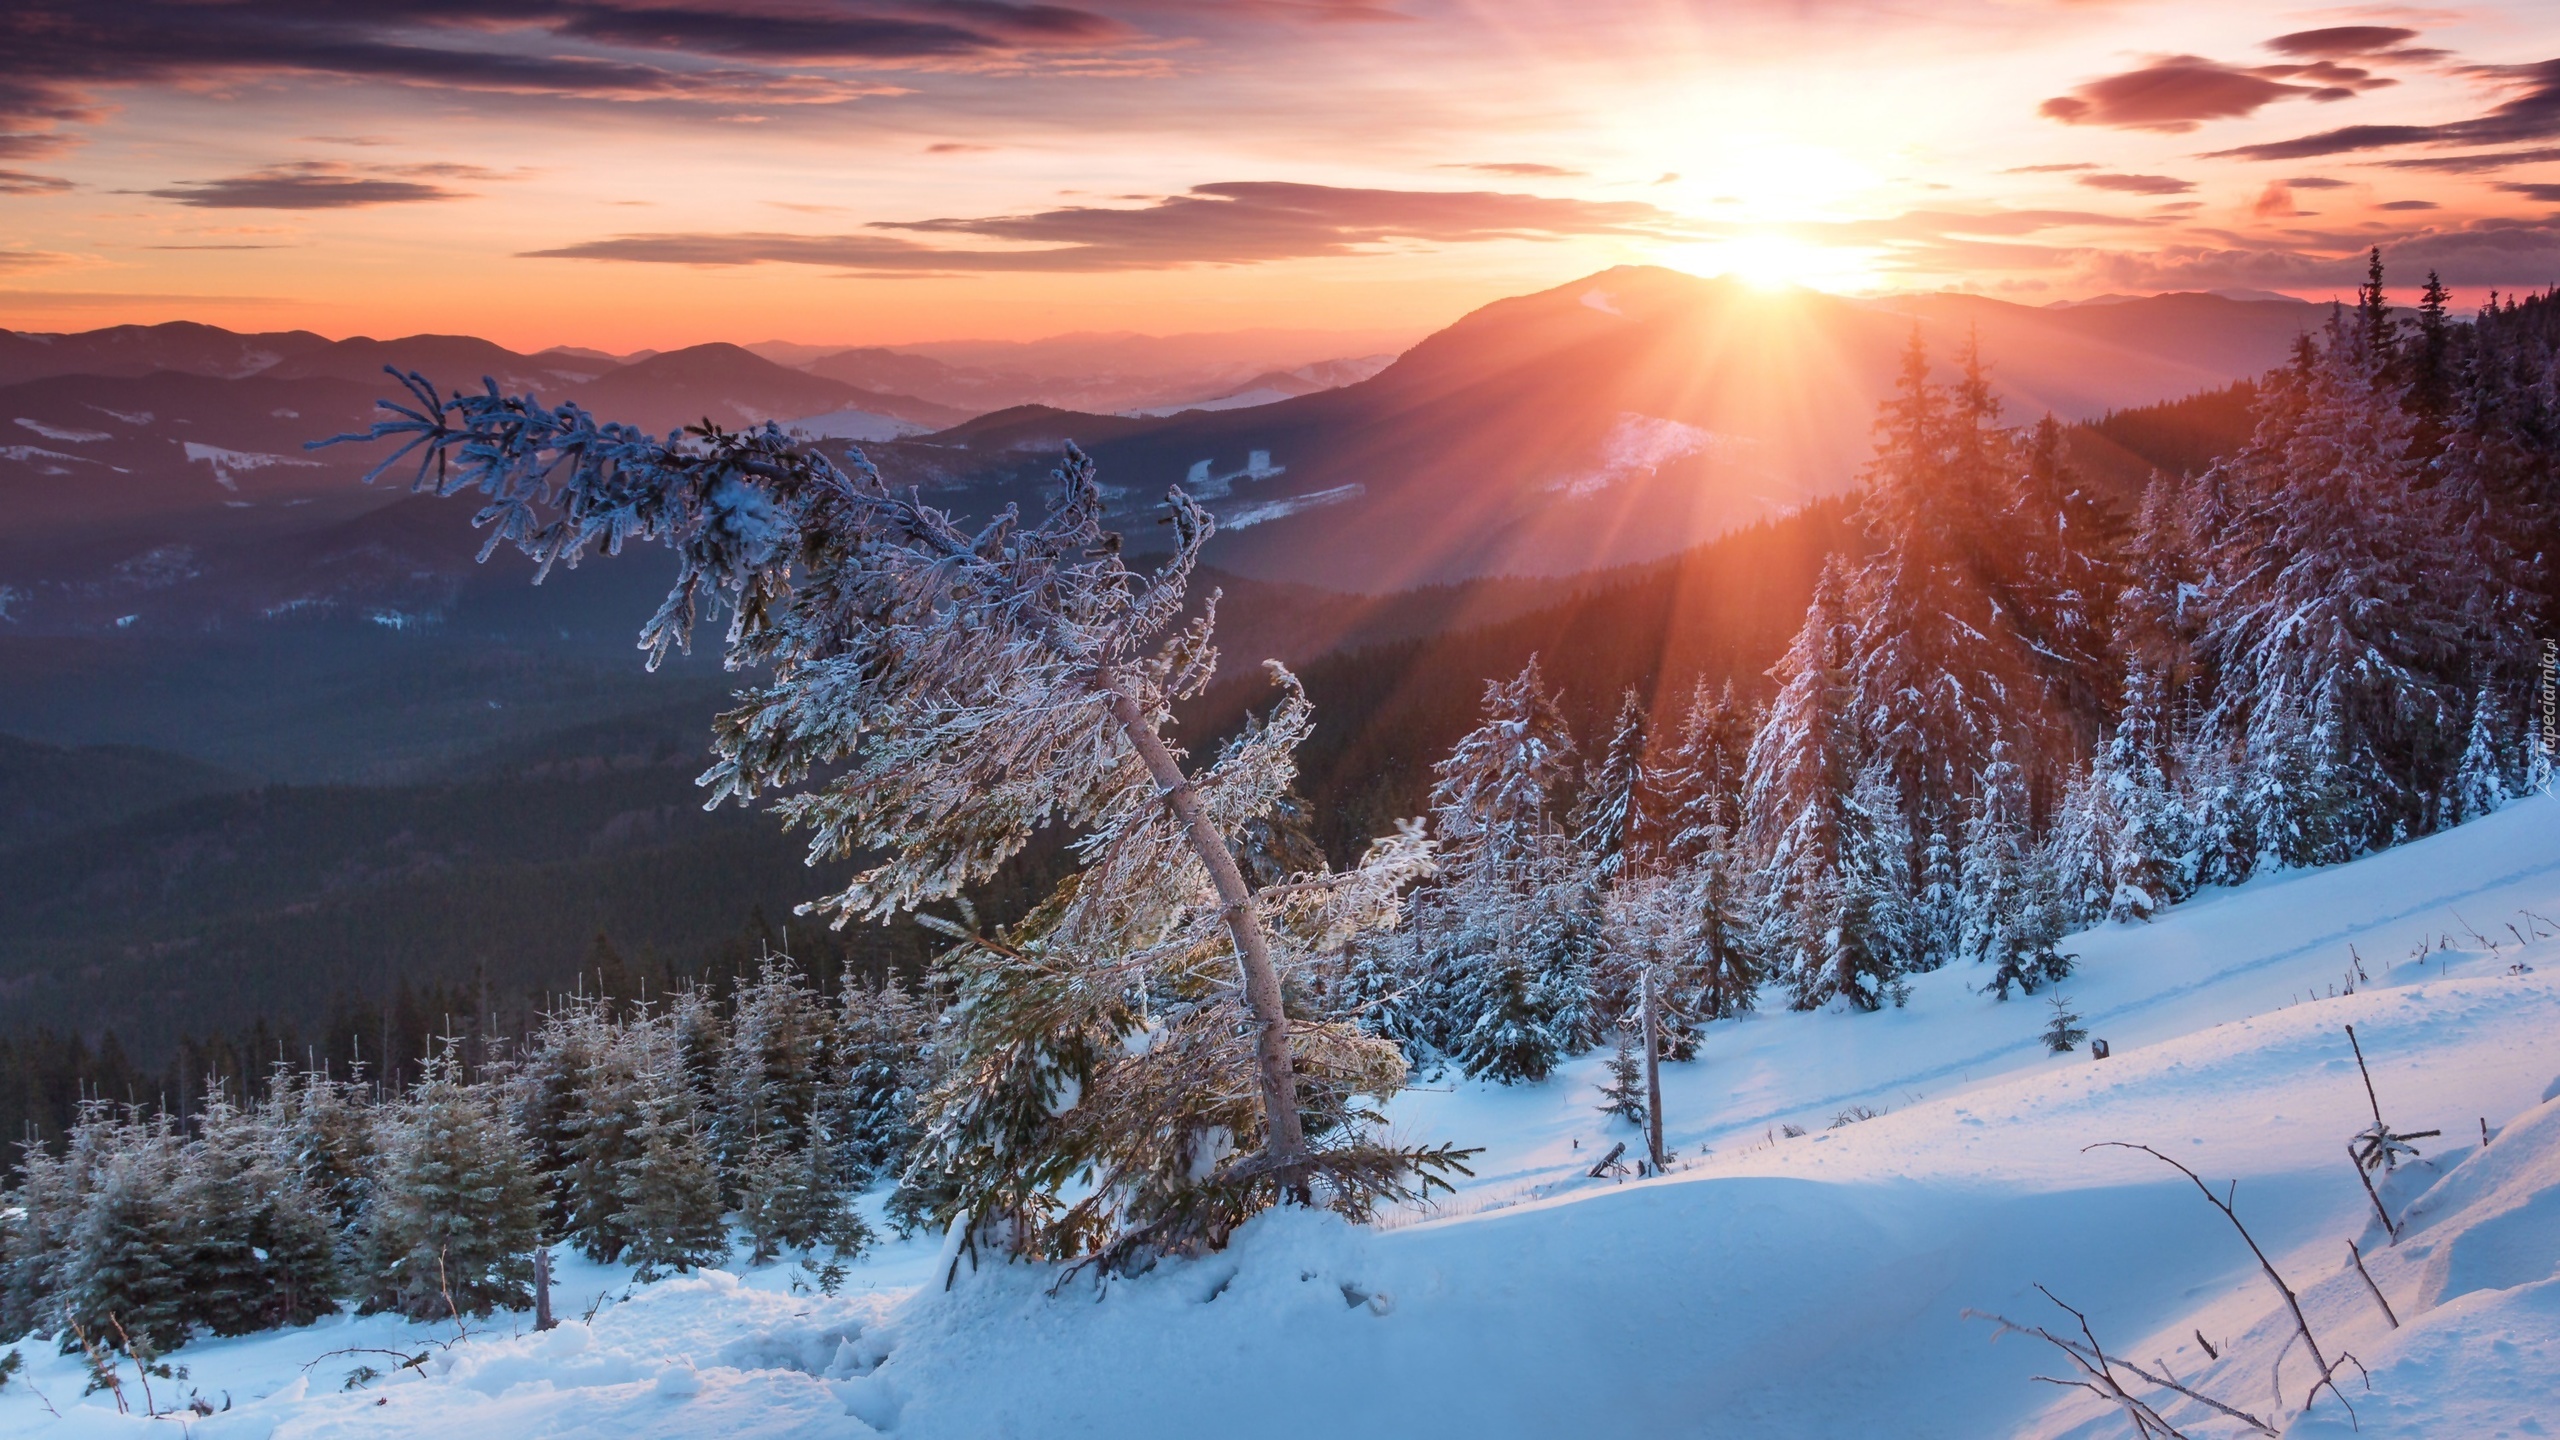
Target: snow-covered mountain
(1614, 419)
(1773, 1283)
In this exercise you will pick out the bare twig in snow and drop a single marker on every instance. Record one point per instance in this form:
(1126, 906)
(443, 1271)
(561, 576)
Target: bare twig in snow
(2097, 1376)
(2357, 1256)
(2292, 1302)
(2357, 1160)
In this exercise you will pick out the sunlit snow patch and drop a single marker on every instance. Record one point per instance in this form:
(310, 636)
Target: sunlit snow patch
(1603, 301)
(229, 463)
(56, 432)
(1640, 445)
(1255, 514)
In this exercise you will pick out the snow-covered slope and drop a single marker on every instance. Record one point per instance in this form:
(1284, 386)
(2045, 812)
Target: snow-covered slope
(1769, 1286)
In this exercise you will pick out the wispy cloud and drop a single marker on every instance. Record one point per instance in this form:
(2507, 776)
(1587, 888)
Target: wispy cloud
(1232, 223)
(1521, 169)
(311, 185)
(2177, 93)
(2139, 184)
(2532, 112)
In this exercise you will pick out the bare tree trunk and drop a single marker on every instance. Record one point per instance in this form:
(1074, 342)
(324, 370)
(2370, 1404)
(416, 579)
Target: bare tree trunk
(1652, 1075)
(542, 1290)
(1287, 1139)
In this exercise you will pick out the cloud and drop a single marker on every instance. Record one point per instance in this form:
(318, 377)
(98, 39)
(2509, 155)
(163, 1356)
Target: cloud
(2048, 169)
(956, 147)
(2389, 42)
(1233, 223)
(308, 185)
(2275, 202)
(2531, 113)
(23, 300)
(19, 182)
(1522, 169)
(2543, 194)
(56, 55)
(2139, 184)
(2316, 182)
(30, 259)
(2408, 205)
(2473, 164)
(2176, 93)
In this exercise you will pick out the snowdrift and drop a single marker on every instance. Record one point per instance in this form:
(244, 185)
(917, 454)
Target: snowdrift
(1770, 1285)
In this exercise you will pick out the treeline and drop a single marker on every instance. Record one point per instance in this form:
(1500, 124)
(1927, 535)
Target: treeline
(2021, 710)
(47, 1077)
(654, 1133)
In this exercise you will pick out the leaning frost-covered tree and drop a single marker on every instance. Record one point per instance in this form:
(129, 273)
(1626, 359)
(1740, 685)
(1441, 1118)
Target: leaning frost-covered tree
(938, 695)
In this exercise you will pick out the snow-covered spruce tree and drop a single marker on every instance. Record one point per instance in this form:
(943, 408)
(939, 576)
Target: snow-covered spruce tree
(2011, 920)
(773, 1070)
(564, 1096)
(2479, 781)
(1701, 777)
(1504, 925)
(1385, 984)
(961, 690)
(2062, 581)
(36, 1220)
(642, 1181)
(454, 1214)
(258, 1248)
(325, 1128)
(1827, 930)
(120, 1264)
(1125, 1071)
(880, 1066)
(1938, 666)
(2347, 613)
(1618, 818)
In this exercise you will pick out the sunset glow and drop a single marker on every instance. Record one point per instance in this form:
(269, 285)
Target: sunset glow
(883, 171)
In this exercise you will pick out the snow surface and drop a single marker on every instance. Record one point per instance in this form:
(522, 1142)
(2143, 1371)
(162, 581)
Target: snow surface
(1768, 1286)
(228, 464)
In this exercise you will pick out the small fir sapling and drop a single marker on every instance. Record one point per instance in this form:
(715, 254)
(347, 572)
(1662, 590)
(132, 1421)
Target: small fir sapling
(1625, 1089)
(2063, 1032)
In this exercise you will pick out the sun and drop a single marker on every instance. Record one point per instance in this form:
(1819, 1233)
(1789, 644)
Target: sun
(1774, 262)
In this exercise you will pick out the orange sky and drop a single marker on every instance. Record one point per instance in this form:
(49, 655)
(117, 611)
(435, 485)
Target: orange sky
(627, 173)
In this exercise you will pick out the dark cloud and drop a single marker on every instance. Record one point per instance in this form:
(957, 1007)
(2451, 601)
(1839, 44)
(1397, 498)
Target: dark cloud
(1522, 169)
(310, 185)
(2176, 93)
(2048, 169)
(2342, 40)
(2408, 205)
(19, 182)
(1236, 223)
(2316, 182)
(2545, 194)
(57, 55)
(2473, 164)
(2139, 184)
(940, 29)
(2531, 113)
